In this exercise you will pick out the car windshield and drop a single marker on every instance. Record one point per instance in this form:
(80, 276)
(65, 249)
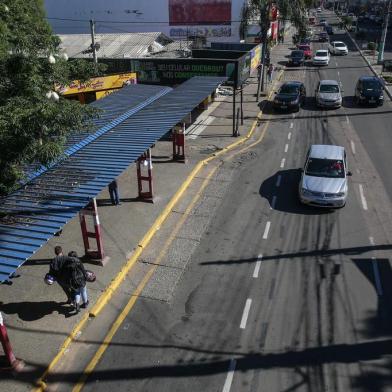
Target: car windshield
(325, 168)
(297, 53)
(322, 53)
(329, 88)
(289, 89)
(371, 85)
(340, 45)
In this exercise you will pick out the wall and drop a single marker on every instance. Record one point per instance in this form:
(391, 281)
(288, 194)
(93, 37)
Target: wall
(175, 18)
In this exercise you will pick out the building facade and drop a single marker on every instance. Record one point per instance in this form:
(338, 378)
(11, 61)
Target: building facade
(216, 20)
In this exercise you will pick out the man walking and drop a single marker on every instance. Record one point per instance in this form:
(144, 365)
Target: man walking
(113, 192)
(57, 271)
(270, 72)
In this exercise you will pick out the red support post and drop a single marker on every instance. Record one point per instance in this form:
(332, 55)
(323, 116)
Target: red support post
(145, 161)
(14, 363)
(92, 210)
(178, 138)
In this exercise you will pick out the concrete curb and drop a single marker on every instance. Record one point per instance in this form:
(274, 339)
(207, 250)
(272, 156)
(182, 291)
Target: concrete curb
(113, 286)
(368, 63)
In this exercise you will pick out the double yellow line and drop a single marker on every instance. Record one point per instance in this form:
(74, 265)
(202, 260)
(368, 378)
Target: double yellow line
(111, 289)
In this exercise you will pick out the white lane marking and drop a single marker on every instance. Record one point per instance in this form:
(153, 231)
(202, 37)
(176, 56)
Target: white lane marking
(292, 115)
(339, 74)
(289, 136)
(347, 119)
(257, 266)
(363, 200)
(200, 127)
(273, 202)
(286, 148)
(291, 125)
(230, 375)
(282, 163)
(245, 313)
(377, 279)
(352, 146)
(278, 180)
(371, 239)
(266, 230)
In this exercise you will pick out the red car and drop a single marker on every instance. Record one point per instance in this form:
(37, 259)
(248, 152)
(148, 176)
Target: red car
(307, 50)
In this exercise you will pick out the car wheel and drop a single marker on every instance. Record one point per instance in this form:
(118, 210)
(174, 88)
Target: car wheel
(297, 109)
(381, 103)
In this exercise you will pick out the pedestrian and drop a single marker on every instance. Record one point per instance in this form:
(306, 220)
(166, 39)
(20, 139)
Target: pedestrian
(77, 275)
(56, 270)
(270, 72)
(113, 192)
(282, 37)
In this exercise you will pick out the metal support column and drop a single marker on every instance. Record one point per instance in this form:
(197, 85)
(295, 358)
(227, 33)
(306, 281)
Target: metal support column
(144, 161)
(96, 254)
(178, 139)
(242, 108)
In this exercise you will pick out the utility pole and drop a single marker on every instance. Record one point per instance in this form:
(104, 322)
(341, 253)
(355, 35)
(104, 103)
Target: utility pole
(380, 58)
(93, 47)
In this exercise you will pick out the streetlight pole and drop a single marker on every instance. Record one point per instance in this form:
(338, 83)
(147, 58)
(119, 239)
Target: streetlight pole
(93, 46)
(380, 57)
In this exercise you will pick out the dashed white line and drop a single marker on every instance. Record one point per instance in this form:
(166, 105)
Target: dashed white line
(352, 146)
(230, 375)
(286, 148)
(289, 136)
(245, 313)
(291, 125)
(273, 203)
(363, 199)
(338, 73)
(266, 230)
(283, 161)
(257, 266)
(278, 181)
(371, 240)
(347, 119)
(377, 279)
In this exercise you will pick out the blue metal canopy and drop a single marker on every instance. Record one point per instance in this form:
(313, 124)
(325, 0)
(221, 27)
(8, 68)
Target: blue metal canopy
(134, 119)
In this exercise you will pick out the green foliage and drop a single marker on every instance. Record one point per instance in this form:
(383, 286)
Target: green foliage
(33, 128)
(347, 20)
(371, 45)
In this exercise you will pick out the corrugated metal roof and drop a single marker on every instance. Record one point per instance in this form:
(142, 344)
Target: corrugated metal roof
(118, 45)
(42, 207)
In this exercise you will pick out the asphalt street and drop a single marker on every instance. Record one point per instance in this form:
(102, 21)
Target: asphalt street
(277, 296)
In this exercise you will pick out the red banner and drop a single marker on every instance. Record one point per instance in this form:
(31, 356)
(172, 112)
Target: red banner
(199, 12)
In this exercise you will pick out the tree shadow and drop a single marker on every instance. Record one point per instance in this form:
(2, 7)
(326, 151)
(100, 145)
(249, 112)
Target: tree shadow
(31, 311)
(288, 185)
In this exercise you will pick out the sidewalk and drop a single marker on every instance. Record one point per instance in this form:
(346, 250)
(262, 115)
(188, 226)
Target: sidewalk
(36, 317)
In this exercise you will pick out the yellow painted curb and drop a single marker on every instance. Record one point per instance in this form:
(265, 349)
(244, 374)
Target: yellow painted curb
(110, 290)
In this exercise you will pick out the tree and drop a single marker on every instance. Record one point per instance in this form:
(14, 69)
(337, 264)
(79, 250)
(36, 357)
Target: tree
(293, 10)
(33, 128)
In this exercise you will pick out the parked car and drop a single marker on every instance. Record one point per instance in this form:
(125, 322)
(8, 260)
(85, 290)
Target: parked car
(321, 57)
(338, 47)
(323, 37)
(319, 10)
(328, 94)
(324, 177)
(329, 30)
(323, 22)
(307, 50)
(369, 90)
(297, 57)
(290, 96)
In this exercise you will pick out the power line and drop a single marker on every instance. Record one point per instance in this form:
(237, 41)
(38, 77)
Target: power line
(209, 22)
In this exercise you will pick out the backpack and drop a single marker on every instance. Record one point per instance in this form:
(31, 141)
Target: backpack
(75, 274)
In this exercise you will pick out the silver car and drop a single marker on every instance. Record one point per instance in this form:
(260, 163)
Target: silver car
(324, 177)
(329, 94)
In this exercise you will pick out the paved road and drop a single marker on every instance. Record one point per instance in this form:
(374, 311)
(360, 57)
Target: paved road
(276, 296)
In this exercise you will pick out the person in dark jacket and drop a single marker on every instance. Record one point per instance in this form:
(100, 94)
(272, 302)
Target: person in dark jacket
(77, 281)
(57, 271)
(113, 192)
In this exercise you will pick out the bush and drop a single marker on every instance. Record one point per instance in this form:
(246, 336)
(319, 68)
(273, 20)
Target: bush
(371, 45)
(360, 34)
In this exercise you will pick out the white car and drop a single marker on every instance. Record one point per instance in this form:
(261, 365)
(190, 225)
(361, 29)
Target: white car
(321, 57)
(318, 9)
(338, 47)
